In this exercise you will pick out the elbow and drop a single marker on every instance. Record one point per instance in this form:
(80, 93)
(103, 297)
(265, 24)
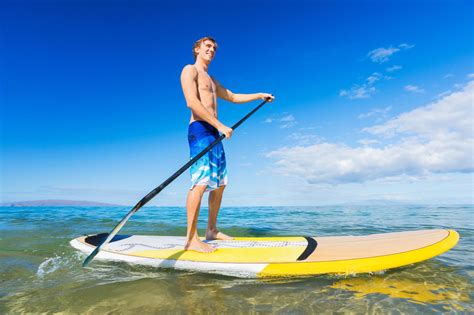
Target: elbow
(232, 98)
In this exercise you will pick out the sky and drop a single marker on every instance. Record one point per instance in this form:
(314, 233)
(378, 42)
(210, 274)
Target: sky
(374, 100)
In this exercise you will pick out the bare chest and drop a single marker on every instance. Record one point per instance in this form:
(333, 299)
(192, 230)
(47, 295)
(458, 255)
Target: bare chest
(206, 86)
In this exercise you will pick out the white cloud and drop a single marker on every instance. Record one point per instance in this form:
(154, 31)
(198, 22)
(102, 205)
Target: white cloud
(286, 121)
(451, 114)
(381, 55)
(443, 94)
(413, 89)
(449, 75)
(433, 139)
(406, 46)
(393, 68)
(366, 142)
(377, 112)
(365, 90)
(287, 118)
(304, 139)
(470, 76)
(374, 77)
(358, 92)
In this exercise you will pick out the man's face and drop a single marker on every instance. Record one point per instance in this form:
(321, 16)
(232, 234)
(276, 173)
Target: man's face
(207, 50)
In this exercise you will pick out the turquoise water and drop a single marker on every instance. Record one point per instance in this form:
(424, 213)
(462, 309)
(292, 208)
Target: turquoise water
(40, 272)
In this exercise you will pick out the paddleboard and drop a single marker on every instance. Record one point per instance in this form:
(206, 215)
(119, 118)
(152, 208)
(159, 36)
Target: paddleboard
(277, 256)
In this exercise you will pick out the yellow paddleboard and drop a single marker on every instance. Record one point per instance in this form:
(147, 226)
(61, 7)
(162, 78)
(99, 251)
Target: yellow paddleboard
(278, 256)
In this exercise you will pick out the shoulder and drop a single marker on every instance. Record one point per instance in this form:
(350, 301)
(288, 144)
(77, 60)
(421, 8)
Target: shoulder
(189, 70)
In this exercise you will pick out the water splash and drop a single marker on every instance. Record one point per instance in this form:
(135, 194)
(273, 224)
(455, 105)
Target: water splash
(58, 262)
(48, 266)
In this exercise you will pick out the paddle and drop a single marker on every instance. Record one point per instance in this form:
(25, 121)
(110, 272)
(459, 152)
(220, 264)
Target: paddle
(158, 189)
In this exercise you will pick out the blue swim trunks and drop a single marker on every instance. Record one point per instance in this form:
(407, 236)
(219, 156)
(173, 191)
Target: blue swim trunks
(210, 169)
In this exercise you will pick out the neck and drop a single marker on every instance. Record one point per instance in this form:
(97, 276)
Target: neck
(201, 65)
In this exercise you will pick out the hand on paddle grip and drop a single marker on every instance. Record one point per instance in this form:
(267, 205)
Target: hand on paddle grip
(226, 131)
(267, 97)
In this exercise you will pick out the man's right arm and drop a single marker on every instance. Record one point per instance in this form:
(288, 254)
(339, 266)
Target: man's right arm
(189, 85)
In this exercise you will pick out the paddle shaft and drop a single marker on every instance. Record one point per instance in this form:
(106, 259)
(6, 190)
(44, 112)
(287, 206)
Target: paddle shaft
(158, 189)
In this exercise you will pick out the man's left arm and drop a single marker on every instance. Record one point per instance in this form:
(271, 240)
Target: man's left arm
(228, 95)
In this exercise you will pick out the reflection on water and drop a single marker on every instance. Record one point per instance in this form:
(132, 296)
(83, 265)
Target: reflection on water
(450, 292)
(40, 272)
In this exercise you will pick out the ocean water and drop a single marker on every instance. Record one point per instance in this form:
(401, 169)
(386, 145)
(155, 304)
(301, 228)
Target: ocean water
(41, 273)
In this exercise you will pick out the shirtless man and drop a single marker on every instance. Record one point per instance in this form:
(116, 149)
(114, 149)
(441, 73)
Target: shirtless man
(209, 172)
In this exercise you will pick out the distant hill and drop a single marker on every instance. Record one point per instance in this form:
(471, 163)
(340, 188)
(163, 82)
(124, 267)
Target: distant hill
(376, 202)
(57, 203)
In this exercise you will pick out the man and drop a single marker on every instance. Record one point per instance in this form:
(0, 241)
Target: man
(209, 172)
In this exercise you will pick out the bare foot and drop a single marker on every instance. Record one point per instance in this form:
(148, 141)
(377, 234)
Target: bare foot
(198, 246)
(216, 235)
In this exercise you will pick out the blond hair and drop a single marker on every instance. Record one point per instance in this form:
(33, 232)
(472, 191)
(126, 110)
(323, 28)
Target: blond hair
(200, 41)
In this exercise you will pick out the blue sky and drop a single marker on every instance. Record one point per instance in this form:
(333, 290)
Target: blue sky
(373, 99)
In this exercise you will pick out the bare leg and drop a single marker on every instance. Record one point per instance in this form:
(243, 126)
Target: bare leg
(193, 204)
(215, 198)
